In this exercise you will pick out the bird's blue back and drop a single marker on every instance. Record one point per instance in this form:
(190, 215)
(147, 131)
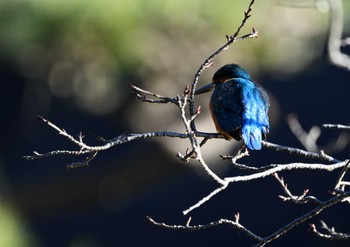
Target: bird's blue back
(239, 107)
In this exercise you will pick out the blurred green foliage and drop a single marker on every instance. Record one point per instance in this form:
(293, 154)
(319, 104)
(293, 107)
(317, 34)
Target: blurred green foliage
(14, 231)
(66, 48)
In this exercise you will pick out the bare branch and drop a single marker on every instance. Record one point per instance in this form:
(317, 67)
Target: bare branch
(79, 142)
(192, 154)
(336, 126)
(330, 233)
(287, 167)
(37, 155)
(82, 164)
(182, 101)
(86, 149)
(299, 152)
(274, 169)
(239, 154)
(261, 240)
(205, 199)
(340, 184)
(303, 198)
(236, 225)
(305, 217)
(140, 94)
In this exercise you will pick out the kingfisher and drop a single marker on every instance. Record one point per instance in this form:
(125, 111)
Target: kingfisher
(238, 106)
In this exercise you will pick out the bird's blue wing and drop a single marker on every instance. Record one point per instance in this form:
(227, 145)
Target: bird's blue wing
(239, 109)
(255, 122)
(226, 107)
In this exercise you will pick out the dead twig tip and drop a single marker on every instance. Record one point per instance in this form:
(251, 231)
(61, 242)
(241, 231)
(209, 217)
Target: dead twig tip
(40, 118)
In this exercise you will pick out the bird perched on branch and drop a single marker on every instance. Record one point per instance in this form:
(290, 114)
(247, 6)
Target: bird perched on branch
(238, 106)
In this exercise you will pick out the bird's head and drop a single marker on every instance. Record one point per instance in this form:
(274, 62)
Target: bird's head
(229, 71)
(226, 72)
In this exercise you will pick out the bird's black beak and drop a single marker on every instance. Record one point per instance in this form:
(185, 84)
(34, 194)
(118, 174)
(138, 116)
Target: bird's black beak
(207, 88)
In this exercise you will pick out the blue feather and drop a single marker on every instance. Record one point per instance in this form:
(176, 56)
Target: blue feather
(239, 107)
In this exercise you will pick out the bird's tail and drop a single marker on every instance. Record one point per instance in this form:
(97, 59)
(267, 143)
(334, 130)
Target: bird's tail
(252, 136)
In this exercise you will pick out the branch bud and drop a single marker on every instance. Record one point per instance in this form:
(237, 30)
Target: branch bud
(198, 111)
(237, 217)
(187, 90)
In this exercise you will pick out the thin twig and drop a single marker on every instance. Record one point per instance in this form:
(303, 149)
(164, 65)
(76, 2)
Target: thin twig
(305, 217)
(209, 61)
(140, 94)
(287, 167)
(340, 183)
(330, 233)
(205, 199)
(82, 164)
(121, 139)
(234, 223)
(299, 152)
(192, 154)
(301, 199)
(336, 126)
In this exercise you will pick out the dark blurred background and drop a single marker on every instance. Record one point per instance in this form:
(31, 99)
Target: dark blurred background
(71, 62)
